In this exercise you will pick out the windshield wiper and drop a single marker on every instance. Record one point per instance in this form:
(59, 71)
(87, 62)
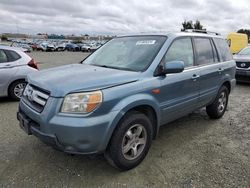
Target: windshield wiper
(111, 67)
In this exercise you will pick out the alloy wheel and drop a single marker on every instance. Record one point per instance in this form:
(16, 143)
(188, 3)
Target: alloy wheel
(134, 142)
(222, 102)
(18, 89)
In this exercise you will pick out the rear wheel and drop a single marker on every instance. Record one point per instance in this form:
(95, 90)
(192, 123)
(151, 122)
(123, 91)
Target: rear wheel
(217, 109)
(130, 142)
(16, 89)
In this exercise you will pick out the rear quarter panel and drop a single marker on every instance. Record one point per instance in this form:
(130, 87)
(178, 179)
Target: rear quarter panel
(19, 73)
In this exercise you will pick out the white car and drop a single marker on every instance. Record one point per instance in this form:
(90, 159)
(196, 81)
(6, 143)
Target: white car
(14, 67)
(61, 47)
(21, 46)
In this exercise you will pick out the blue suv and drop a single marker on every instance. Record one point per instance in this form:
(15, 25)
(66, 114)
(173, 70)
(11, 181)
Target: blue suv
(115, 101)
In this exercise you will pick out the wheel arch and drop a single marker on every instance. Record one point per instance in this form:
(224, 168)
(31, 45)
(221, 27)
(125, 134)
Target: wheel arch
(228, 85)
(148, 111)
(144, 108)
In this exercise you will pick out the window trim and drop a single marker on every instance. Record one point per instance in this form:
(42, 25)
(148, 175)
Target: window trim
(215, 52)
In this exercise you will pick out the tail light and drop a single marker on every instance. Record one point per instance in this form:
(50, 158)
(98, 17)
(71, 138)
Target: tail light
(33, 64)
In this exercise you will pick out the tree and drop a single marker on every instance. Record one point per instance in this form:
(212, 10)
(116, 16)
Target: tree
(198, 25)
(189, 25)
(244, 31)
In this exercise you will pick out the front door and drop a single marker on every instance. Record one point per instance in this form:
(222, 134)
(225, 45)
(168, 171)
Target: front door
(179, 92)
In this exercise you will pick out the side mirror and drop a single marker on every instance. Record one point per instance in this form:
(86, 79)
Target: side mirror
(173, 67)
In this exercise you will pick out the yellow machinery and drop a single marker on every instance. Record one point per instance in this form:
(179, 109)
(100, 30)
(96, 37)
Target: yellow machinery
(237, 41)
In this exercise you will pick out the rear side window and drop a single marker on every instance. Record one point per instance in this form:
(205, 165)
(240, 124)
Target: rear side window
(181, 50)
(204, 51)
(12, 56)
(223, 49)
(3, 57)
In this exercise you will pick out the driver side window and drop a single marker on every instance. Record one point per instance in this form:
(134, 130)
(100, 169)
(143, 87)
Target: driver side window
(181, 50)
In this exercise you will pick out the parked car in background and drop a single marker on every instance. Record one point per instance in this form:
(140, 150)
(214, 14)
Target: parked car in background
(94, 47)
(85, 48)
(60, 47)
(51, 47)
(243, 65)
(72, 47)
(34, 46)
(25, 47)
(42, 46)
(237, 41)
(117, 99)
(14, 67)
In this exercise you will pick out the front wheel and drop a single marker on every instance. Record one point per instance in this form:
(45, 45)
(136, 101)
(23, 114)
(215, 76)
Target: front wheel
(130, 141)
(217, 109)
(16, 89)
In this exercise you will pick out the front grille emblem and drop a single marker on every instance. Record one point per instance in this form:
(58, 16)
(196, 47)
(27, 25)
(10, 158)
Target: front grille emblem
(243, 65)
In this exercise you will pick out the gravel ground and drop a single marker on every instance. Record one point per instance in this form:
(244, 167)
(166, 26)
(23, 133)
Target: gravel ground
(191, 152)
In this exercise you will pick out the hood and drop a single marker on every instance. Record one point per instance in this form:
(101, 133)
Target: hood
(242, 58)
(79, 77)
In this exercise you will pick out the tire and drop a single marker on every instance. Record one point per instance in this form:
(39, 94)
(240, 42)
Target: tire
(217, 109)
(134, 131)
(16, 89)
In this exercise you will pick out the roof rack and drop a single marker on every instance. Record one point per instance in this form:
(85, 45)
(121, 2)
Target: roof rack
(200, 31)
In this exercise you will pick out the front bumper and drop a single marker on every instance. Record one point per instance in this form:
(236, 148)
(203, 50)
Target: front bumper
(71, 134)
(242, 75)
(32, 128)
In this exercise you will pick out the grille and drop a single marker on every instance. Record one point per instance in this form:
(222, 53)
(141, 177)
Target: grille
(35, 97)
(243, 65)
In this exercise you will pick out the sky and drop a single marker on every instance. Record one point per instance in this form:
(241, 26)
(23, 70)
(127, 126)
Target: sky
(120, 16)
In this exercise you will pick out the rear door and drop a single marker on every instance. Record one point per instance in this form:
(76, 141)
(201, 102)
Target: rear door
(179, 92)
(7, 69)
(210, 69)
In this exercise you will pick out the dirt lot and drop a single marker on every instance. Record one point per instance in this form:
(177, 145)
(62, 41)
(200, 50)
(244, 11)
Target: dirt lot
(191, 152)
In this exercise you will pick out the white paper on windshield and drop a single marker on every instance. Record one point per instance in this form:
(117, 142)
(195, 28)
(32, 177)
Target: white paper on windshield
(145, 42)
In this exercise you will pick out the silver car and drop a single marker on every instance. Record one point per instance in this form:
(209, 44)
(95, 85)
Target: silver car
(243, 65)
(14, 67)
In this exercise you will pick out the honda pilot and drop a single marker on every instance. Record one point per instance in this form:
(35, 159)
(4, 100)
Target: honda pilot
(115, 101)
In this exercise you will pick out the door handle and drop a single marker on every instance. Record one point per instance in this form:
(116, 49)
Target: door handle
(195, 77)
(220, 70)
(8, 66)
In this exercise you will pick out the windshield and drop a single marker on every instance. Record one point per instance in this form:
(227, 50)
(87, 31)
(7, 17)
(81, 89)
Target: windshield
(127, 53)
(245, 51)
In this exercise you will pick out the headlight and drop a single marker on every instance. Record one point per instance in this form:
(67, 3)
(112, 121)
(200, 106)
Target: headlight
(81, 102)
